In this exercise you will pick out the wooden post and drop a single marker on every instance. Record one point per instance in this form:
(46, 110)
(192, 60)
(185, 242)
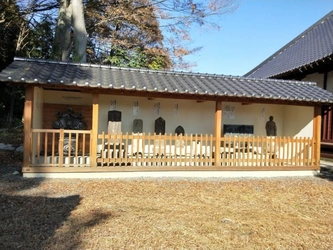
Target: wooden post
(61, 147)
(94, 131)
(27, 116)
(317, 135)
(217, 132)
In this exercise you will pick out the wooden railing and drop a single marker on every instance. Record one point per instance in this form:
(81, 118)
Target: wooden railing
(155, 150)
(60, 148)
(235, 152)
(140, 152)
(263, 151)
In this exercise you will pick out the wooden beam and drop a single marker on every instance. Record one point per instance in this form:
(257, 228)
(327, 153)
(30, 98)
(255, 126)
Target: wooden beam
(27, 116)
(317, 134)
(217, 131)
(94, 132)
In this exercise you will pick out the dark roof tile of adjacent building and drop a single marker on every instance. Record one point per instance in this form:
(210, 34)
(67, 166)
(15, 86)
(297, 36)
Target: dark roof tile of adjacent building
(89, 77)
(313, 46)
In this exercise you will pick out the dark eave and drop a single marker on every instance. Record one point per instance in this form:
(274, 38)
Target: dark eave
(321, 67)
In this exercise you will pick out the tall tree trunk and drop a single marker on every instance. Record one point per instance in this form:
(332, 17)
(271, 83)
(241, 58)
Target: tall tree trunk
(62, 42)
(80, 33)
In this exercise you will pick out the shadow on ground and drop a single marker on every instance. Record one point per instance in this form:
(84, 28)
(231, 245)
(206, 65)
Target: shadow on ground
(28, 222)
(38, 222)
(326, 172)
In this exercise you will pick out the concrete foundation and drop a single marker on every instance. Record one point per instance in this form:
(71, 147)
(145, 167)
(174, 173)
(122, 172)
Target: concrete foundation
(177, 174)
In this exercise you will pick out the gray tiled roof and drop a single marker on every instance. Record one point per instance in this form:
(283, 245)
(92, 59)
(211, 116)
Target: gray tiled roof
(313, 46)
(161, 83)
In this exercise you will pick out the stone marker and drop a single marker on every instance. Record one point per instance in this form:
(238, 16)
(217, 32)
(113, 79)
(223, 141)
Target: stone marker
(114, 116)
(160, 126)
(114, 122)
(137, 126)
(180, 130)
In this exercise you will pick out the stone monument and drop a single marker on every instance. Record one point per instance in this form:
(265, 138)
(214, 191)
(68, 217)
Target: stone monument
(114, 122)
(160, 126)
(137, 126)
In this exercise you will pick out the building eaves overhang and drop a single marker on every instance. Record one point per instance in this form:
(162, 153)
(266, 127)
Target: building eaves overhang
(311, 48)
(321, 66)
(106, 79)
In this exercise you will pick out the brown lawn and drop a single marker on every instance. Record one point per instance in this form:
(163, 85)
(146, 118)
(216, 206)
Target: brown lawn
(283, 213)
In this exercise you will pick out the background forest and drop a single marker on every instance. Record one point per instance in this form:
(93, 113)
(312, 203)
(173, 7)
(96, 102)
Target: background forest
(152, 34)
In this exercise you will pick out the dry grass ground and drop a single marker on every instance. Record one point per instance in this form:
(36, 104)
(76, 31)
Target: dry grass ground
(283, 213)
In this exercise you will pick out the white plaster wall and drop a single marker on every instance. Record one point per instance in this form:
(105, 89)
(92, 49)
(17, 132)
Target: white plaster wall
(317, 78)
(194, 117)
(199, 117)
(254, 114)
(297, 121)
(67, 97)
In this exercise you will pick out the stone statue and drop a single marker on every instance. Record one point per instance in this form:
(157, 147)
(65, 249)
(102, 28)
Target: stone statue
(69, 120)
(271, 127)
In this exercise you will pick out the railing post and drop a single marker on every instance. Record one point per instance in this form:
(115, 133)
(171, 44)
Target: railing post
(27, 126)
(317, 135)
(94, 131)
(61, 147)
(217, 132)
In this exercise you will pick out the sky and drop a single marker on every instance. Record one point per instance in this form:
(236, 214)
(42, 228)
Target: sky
(252, 33)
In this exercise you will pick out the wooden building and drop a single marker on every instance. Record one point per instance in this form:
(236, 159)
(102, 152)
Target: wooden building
(94, 120)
